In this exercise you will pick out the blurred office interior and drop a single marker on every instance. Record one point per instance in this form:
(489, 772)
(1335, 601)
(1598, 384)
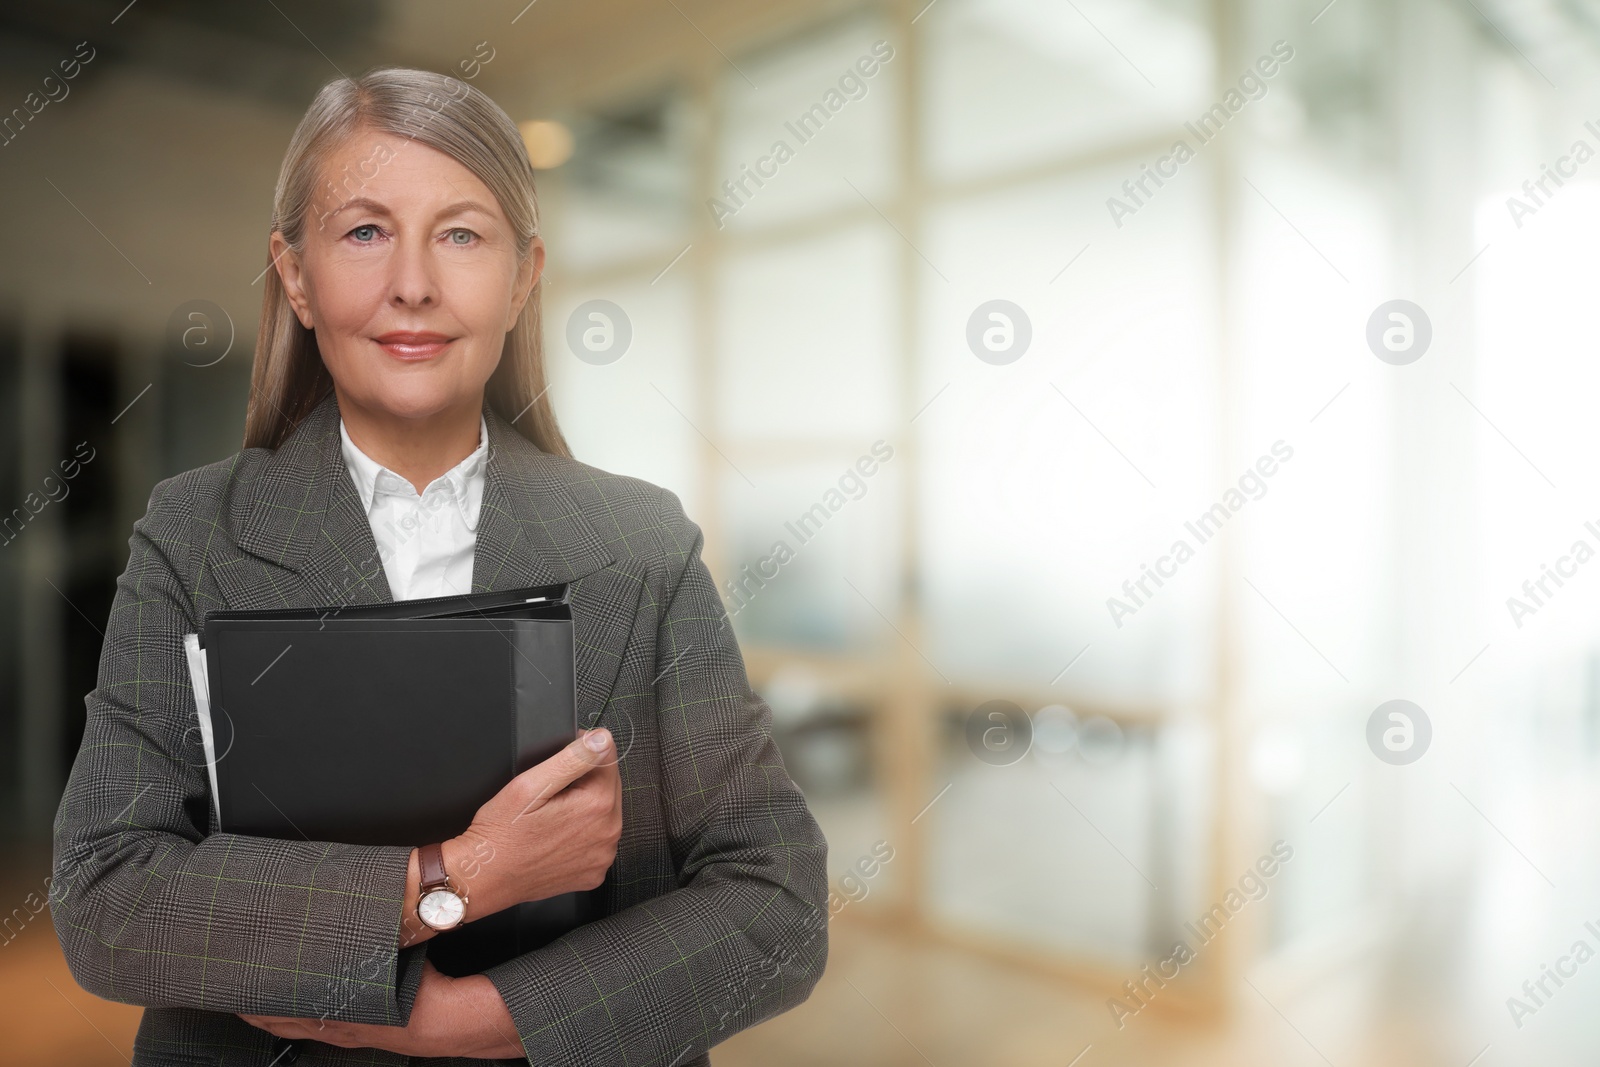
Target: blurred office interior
(1196, 338)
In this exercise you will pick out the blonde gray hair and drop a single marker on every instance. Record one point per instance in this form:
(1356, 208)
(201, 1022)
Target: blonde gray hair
(288, 378)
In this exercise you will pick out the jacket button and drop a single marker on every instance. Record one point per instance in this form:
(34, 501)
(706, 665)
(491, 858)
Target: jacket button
(284, 1051)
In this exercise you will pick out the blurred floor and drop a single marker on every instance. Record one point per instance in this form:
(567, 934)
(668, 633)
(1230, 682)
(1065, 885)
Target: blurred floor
(890, 1000)
(886, 1000)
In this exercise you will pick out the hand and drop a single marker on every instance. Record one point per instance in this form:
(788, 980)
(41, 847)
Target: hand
(450, 1017)
(553, 829)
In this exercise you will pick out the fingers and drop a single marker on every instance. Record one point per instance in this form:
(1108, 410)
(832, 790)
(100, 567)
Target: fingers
(344, 1035)
(277, 1025)
(601, 791)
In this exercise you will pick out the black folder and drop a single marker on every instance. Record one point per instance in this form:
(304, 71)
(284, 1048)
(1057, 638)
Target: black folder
(390, 724)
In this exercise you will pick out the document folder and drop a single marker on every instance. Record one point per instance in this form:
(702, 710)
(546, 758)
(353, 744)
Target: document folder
(390, 724)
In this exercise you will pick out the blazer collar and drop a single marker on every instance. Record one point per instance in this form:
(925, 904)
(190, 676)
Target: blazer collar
(307, 517)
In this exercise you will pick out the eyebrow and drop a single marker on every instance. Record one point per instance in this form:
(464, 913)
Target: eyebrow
(363, 203)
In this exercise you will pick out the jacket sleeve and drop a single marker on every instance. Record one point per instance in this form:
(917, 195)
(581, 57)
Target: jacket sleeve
(744, 937)
(150, 909)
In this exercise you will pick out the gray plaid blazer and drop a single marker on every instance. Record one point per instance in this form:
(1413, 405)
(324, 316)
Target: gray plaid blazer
(715, 909)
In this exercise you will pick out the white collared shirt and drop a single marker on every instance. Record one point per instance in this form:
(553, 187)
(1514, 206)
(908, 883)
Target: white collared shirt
(426, 542)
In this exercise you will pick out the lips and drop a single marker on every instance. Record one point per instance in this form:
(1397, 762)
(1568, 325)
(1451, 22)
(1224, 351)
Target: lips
(413, 344)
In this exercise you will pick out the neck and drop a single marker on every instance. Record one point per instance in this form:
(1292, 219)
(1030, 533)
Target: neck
(417, 449)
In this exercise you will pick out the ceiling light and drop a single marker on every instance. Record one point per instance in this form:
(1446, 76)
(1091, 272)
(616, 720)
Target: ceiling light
(549, 143)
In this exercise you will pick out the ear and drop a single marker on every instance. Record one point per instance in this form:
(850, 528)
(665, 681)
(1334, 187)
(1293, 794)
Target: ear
(529, 271)
(292, 273)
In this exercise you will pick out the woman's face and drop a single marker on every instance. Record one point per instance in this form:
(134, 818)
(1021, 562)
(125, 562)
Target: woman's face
(409, 276)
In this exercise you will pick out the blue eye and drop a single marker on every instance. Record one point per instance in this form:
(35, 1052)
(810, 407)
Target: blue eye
(461, 236)
(364, 234)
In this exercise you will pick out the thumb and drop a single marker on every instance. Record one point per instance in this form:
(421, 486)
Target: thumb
(587, 751)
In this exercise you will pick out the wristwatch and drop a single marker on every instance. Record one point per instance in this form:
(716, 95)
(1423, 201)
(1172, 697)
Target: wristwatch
(439, 906)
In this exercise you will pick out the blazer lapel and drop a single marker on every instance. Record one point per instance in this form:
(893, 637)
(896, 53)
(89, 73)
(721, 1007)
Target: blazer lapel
(532, 531)
(307, 517)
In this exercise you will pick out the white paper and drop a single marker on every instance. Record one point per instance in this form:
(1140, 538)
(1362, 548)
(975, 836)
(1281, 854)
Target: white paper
(200, 680)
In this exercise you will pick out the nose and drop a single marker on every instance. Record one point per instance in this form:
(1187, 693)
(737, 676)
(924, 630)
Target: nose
(413, 283)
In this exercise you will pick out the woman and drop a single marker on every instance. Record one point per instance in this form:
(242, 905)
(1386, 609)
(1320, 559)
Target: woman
(399, 444)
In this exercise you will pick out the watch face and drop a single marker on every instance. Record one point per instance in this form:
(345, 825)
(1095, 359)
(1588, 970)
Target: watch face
(441, 909)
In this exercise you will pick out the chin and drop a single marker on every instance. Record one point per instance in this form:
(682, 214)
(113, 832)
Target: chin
(412, 403)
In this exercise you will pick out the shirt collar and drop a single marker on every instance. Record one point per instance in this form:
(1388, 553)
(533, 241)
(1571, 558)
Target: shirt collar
(464, 482)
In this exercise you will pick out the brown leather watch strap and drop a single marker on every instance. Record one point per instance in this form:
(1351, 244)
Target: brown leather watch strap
(430, 867)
